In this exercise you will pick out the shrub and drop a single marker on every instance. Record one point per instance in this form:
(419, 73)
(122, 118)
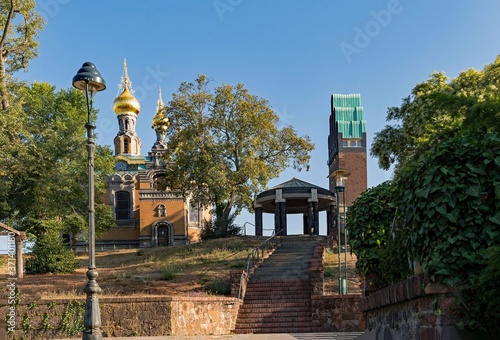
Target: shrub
(219, 287)
(220, 228)
(369, 221)
(51, 255)
(329, 272)
(169, 273)
(393, 266)
(483, 299)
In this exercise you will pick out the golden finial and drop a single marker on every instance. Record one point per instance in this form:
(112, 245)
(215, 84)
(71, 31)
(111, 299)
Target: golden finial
(125, 82)
(159, 104)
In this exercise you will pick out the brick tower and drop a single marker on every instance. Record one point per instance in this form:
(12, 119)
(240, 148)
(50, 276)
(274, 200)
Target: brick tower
(347, 144)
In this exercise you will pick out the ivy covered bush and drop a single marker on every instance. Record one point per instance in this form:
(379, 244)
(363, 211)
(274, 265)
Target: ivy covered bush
(376, 241)
(448, 201)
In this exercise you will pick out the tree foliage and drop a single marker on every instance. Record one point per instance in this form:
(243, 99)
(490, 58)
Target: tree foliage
(44, 164)
(225, 145)
(20, 24)
(438, 109)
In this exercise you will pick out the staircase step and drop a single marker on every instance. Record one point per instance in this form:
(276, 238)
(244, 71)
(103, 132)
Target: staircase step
(254, 315)
(275, 316)
(278, 294)
(293, 329)
(279, 283)
(277, 324)
(277, 304)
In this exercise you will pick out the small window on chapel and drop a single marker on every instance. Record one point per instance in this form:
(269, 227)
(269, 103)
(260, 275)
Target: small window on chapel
(162, 211)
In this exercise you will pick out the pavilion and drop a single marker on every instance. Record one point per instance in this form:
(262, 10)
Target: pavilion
(295, 197)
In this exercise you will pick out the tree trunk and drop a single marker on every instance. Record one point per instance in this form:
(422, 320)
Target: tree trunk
(222, 213)
(3, 85)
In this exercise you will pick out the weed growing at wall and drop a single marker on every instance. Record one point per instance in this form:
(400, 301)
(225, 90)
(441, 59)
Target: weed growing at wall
(72, 318)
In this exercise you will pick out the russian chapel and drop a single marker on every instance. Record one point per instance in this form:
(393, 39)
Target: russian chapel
(145, 217)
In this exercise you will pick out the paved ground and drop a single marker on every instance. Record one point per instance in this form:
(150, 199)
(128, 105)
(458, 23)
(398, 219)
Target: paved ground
(302, 336)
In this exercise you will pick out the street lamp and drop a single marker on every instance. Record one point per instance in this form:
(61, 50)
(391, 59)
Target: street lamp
(340, 177)
(89, 80)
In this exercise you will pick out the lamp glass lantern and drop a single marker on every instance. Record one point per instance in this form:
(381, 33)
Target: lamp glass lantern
(89, 80)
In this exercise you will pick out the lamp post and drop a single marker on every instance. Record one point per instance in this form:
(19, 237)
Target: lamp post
(340, 177)
(89, 80)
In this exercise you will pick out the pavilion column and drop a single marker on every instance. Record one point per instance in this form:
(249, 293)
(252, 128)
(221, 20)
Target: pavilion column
(310, 217)
(280, 212)
(330, 219)
(313, 213)
(258, 219)
(304, 221)
(283, 217)
(316, 218)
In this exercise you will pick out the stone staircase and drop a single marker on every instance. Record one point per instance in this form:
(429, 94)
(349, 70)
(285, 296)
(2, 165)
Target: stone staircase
(278, 294)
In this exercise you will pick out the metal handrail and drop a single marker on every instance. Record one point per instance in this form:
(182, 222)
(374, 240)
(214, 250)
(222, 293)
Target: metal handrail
(245, 227)
(256, 256)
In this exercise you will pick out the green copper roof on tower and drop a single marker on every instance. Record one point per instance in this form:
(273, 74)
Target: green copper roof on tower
(348, 114)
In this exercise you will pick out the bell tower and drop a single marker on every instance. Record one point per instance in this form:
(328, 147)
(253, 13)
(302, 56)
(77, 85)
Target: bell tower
(126, 107)
(347, 145)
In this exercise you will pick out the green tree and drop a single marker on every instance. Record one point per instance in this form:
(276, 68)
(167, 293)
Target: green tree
(20, 24)
(224, 146)
(43, 172)
(438, 109)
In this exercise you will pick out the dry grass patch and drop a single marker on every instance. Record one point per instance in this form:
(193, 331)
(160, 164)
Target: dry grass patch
(195, 269)
(331, 269)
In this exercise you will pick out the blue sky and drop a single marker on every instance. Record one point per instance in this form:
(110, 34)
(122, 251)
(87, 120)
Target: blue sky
(294, 53)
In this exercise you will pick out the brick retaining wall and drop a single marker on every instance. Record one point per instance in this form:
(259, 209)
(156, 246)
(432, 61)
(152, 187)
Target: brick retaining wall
(338, 313)
(126, 316)
(413, 309)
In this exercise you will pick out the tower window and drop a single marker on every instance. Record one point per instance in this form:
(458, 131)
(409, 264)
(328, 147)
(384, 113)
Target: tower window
(122, 209)
(125, 146)
(352, 143)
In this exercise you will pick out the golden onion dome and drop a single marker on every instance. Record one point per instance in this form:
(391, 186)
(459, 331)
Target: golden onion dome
(160, 122)
(126, 103)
